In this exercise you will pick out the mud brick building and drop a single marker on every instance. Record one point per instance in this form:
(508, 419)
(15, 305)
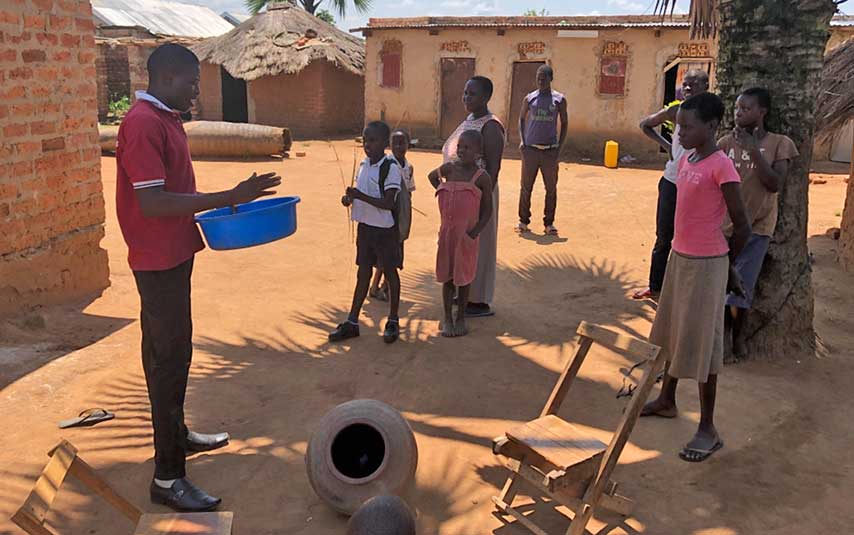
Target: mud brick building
(614, 71)
(51, 199)
(285, 67)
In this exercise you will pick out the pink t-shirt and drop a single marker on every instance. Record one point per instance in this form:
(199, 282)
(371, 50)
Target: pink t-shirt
(700, 205)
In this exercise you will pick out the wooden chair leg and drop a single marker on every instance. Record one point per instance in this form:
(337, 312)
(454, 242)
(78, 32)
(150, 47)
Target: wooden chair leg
(511, 487)
(615, 502)
(583, 514)
(87, 475)
(29, 524)
(609, 500)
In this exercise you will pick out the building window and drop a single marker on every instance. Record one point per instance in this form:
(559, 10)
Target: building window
(390, 64)
(612, 69)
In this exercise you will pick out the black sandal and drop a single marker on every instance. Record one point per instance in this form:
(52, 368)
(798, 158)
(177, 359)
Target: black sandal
(88, 418)
(697, 455)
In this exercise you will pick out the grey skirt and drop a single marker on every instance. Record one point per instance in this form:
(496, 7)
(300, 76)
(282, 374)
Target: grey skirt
(689, 324)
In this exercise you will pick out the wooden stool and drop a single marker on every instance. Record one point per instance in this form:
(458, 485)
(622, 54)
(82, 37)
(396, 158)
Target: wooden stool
(64, 460)
(560, 460)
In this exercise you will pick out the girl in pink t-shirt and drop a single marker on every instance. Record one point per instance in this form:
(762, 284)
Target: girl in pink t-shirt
(689, 323)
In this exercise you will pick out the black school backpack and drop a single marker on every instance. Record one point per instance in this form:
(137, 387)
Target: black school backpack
(402, 210)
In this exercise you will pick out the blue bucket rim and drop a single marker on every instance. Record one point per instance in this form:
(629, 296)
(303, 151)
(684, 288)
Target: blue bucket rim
(290, 199)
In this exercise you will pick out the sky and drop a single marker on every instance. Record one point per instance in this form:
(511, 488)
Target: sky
(421, 8)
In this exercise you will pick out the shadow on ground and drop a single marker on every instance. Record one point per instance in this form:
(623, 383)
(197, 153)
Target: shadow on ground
(37, 337)
(270, 389)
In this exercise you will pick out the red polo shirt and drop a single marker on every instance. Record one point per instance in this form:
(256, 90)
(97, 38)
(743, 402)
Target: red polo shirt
(152, 151)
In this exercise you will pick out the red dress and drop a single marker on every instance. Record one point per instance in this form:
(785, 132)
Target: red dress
(459, 207)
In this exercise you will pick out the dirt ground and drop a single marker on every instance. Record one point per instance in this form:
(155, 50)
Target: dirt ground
(264, 372)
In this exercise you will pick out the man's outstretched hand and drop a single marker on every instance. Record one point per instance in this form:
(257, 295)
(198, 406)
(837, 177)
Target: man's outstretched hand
(254, 187)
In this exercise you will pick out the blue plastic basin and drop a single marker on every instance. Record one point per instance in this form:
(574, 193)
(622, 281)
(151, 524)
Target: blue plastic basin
(255, 223)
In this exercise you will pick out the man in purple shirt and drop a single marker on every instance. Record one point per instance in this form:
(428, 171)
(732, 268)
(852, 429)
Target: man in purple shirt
(540, 147)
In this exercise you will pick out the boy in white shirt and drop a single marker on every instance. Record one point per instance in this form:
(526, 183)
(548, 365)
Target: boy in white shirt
(399, 147)
(377, 241)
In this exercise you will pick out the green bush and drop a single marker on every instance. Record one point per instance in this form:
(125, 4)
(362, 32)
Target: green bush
(120, 107)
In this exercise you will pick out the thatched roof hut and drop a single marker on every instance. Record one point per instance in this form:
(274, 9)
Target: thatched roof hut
(835, 106)
(283, 40)
(285, 67)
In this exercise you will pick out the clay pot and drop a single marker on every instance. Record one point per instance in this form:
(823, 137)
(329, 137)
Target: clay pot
(361, 449)
(382, 515)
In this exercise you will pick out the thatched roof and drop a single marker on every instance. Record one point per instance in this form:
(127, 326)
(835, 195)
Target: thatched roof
(282, 40)
(835, 105)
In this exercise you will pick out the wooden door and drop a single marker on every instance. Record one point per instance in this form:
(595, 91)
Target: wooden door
(235, 109)
(524, 81)
(455, 73)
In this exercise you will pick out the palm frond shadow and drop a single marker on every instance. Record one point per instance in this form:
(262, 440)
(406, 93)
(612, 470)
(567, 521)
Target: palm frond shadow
(540, 302)
(270, 389)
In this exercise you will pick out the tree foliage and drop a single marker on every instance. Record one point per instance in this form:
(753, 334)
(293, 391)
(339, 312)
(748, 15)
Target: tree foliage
(325, 15)
(339, 6)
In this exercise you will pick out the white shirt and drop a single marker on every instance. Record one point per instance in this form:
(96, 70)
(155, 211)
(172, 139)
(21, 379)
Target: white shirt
(677, 151)
(406, 173)
(144, 95)
(368, 182)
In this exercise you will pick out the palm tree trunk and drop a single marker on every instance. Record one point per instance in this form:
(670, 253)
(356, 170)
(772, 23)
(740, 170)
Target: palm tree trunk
(779, 44)
(846, 238)
(310, 5)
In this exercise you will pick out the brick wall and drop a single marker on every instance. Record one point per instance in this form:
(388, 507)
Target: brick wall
(209, 103)
(103, 93)
(113, 75)
(51, 199)
(321, 100)
(137, 66)
(344, 93)
(121, 70)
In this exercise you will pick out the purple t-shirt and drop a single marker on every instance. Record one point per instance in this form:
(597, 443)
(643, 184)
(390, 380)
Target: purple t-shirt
(541, 122)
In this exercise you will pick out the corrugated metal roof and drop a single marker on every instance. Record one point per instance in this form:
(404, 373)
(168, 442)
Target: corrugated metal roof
(235, 18)
(160, 17)
(571, 22)
(567, 25)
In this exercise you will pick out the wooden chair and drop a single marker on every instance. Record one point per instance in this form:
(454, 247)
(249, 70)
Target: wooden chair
(64, 461)
(560, 460)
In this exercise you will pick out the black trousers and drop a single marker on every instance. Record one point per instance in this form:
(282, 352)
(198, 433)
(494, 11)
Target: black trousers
(664, 223)
(535, 161)
(167, 349)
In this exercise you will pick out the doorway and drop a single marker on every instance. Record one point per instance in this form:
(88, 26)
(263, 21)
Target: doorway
(455, 73)
(674, 73)
(670, 77)
(234, 106)
(524, 81)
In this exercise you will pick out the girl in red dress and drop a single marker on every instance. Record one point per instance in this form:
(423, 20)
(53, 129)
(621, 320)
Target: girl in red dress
(465, 206)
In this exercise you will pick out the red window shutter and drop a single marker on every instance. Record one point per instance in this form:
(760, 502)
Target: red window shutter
(391, 70)
(612, 76)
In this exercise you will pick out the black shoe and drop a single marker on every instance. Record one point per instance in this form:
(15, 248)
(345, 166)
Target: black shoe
(198, 442)
(391, 332)
(478, 310)
(344, 331)
(183, 496)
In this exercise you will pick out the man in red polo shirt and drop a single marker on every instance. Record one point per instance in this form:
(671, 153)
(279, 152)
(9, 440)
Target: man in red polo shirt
(156, 198)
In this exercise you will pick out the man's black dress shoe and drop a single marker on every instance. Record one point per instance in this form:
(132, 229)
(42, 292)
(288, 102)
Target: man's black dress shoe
(198, 442)
(183, 496)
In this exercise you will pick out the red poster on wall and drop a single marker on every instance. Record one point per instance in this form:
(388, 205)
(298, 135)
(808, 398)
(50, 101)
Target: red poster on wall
(612, 75)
